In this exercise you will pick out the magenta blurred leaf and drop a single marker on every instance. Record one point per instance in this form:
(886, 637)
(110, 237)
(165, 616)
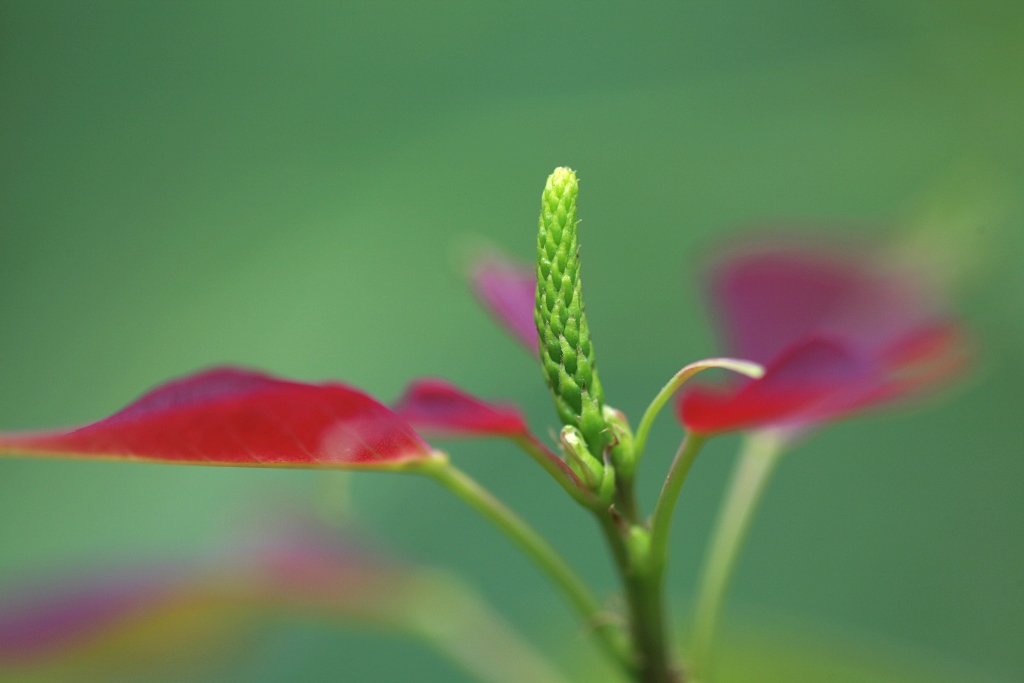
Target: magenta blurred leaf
(435, 407)
(68, 616)
(122, 626)
(769, 296)
(229, 416)
(837, 332)
(508, 290)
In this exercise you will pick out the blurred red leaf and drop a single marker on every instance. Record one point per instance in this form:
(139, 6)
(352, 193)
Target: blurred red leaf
(156, 611)
(161, 622)
(837, 332)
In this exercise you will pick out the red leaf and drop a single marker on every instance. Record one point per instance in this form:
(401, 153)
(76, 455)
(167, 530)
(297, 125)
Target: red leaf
(437, 408)
(813, 382)
(229, 416)
(433, 406)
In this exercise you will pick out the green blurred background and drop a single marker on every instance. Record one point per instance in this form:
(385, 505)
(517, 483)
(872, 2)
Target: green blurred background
(292, 187)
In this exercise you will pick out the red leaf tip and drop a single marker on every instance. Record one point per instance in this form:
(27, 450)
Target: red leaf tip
(434, 406)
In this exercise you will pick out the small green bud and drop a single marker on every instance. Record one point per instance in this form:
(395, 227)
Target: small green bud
(599, 477)
(567, 355)
(581, 461)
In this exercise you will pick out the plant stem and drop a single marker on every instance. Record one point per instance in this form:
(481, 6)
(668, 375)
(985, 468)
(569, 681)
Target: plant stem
(625, 499)
(761, 453)
(537, 549)
(743, 367)
(640, 557)
(661, 521)
(642, 567)
(652, 659)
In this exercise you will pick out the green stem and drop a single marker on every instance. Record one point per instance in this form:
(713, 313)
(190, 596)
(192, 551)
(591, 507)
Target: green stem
(661, 521)
(625, 499)
(647, 421)
(641, 556)
(536, 548)
(761, 453)
(642, 566)
(647, 604)
(652, 661)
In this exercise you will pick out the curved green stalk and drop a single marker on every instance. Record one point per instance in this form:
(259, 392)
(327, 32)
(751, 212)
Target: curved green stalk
(760, 455)
(748, 368)
(661, 521)
(536, 548)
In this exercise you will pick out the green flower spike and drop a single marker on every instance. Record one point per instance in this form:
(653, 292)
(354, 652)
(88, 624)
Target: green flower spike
(566, 352)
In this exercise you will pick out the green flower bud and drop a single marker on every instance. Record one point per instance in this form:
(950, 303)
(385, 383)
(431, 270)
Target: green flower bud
(567, 355)
(583, 463)
(597, 475)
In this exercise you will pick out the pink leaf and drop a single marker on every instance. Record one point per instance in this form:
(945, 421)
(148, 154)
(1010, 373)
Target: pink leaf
(771, 295)
(229, 416)
(508, 290)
